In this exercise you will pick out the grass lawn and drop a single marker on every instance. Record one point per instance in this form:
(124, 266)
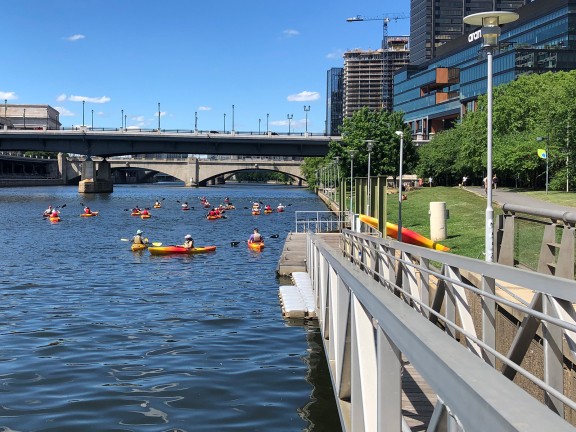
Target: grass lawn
(465, 226)
(556, 197)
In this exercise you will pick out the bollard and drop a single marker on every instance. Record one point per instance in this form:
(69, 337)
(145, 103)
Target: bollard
(438, 215)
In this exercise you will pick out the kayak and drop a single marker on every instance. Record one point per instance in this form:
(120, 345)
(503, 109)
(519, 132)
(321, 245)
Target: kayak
(280, 209)
(255, 212)
(157, 206)
(138, 247)
(54, 218)
(258, 246)
(95, 213)
(145, 216)
(135, 213)
(209, 217)
(408, 236)
(268, 211)
(170, 250)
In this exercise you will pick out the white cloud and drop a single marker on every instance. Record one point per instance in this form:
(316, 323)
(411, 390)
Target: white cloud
(101, 99)
(290, 33)
(8, 95)
(335, 54)
(139, 119)
(75, 37)
(61, 98)
(64, 112)
(304, 96)
(204, 108)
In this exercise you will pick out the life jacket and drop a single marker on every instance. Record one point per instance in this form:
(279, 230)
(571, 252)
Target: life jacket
(257, 238)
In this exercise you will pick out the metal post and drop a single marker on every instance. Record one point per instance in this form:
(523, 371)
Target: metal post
(352, 153)
(306, 109)
(83, 104)
(125, 122)
(232, 118)
(122, 120)
(159, 116)
(92, 120)
(290, 117)
(24, 115)
(401, 135)
(5, 115)
(259, 121)
(489, 234)
(267, 129)
(195, 121)
(369, 145)
(224, 122)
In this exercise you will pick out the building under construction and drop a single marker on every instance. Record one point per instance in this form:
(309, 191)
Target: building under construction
(369, 75)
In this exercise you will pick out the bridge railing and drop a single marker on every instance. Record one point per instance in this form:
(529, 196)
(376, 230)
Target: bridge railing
(381, 303)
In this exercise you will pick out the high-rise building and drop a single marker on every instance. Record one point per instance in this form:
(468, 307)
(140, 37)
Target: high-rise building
(435, 22)
(369, 75)
(334, 100)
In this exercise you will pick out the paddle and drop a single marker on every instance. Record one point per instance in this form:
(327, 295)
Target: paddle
(236, 243)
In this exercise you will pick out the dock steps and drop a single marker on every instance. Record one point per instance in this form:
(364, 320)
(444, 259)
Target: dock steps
(298, 300)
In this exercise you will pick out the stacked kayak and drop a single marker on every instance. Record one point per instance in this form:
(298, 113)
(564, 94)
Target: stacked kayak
(171, 250)
(256, 246)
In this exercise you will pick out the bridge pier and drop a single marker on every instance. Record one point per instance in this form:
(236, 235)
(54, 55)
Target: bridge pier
(96, 180)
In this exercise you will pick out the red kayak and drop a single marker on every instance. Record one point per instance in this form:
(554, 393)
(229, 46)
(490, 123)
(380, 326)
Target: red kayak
(171, 250)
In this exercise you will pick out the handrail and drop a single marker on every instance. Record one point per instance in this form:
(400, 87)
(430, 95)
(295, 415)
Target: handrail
(387, 295)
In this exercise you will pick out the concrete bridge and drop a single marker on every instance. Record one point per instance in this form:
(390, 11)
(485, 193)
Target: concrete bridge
(106, 144)
(202, 171)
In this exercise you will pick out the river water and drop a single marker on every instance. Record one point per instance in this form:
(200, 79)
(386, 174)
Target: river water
(95, 337)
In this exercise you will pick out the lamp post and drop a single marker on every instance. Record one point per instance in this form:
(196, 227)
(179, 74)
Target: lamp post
(24, 115)
(267, 129)
(352, 153)
(5, 115)
(159, 116)
(369, 146)
(122, 120)
(195, 121)
(125, 122)
(232, 119)
(290, 117)
(92, 120)
(259, 121)
(337, 177)
(401, 135)
(547, 139)
(224, 122)
(83, 103)
(306, 109)
(490, 22)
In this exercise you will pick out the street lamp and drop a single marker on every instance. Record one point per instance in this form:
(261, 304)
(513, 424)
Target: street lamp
(232, 119)
(92, 120)
(83, 103)
(267, 129)
(224, 122)
(290, 117)
(5, 115)
(401, 135)
(306, 109)
(369, 146)
(24, 115)
(352, 153)
(259, 121)
(195, 121)
(158, 116)
(490, 22)
(545, 156)
(125, 122)
(122, 120)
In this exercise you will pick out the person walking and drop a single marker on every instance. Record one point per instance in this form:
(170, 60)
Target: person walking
(495, 182)
(430, 181)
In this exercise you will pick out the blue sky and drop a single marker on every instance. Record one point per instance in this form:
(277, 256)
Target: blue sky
(269, 59)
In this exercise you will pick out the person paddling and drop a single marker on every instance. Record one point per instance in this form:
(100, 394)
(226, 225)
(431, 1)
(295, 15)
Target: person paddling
(188, 241)
(255, 237)
(137, 239)
(48, 211)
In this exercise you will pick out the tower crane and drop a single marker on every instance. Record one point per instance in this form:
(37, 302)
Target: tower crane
(385, 20)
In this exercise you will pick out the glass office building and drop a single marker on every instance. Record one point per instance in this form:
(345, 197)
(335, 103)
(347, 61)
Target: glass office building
(436, 94)
(435, 22)
(334, 101)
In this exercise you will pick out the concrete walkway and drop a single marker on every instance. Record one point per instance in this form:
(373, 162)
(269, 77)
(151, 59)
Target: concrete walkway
(510, 196)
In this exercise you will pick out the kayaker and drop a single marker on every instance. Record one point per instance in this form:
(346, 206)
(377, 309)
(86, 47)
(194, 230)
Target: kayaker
(137, 239)
(55, 213)
(185, 205)
(157, 204)
(267, 207)
(144, 212)
(188, 241)
(48, 211)
(255, 237)
(87, 210)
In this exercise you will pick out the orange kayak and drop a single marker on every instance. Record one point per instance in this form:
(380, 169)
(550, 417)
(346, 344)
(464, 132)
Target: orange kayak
(95, 213)
(145, 216)
(256, 246)
(171, 250)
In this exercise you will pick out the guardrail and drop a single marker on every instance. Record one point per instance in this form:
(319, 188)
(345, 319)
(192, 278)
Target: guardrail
(400, 307)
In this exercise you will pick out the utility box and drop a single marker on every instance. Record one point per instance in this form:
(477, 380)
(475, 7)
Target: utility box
(438, 217)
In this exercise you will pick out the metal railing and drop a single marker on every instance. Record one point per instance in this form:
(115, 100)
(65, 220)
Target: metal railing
(321, 221)
(400, 307)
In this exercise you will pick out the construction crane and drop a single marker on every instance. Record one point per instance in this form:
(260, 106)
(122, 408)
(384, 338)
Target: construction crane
(385, 20)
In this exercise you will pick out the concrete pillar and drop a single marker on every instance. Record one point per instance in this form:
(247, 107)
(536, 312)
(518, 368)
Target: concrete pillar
(438, 216)
(104, 171)
(88, 169)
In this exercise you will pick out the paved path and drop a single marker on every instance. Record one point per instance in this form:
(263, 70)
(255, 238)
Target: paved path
(509, 196)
